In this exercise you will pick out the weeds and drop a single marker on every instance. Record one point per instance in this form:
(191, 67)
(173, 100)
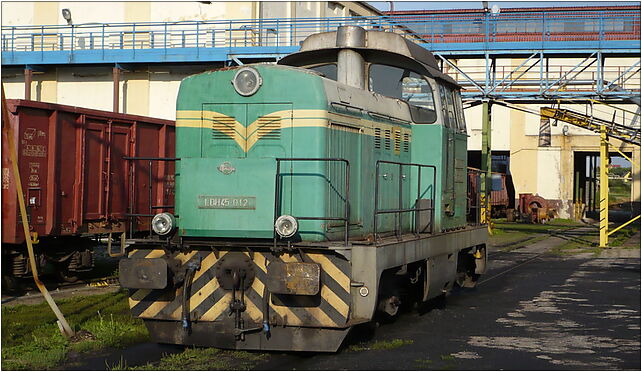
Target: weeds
(31, 339)
(381, 345)
(201, 359)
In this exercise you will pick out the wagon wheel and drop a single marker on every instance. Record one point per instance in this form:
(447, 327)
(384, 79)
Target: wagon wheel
(10, 283)
(64, 274)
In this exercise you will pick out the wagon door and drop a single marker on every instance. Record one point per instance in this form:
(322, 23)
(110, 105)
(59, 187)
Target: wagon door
(96, 139)
(117, 195)
(105, 194)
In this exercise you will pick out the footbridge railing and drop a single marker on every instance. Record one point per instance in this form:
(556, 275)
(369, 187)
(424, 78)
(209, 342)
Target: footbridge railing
(457, 33)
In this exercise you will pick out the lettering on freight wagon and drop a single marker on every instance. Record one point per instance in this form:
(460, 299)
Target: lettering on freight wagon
(29, 134)
(5, 178)
(36, 151)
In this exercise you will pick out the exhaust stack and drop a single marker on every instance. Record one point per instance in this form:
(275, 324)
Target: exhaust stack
(350, 64)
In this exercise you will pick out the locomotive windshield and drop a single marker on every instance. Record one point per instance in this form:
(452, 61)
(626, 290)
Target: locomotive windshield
(328, 70)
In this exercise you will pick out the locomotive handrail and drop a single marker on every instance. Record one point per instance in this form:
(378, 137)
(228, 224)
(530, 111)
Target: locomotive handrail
(152, 207)
(401, 210)
(346, 199)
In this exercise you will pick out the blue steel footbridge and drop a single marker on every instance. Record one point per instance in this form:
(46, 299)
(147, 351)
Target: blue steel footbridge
(516, 56)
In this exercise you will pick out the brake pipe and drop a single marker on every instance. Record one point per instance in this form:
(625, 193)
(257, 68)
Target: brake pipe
(62, 322)
(192, 267)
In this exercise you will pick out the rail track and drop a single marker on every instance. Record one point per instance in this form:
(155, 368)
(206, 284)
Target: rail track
(31, 292)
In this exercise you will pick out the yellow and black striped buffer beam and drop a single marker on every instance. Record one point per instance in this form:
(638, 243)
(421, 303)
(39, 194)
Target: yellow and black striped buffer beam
(209, 302)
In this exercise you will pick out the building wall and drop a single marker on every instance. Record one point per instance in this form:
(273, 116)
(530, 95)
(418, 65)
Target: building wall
(152, 91)
(148, 91)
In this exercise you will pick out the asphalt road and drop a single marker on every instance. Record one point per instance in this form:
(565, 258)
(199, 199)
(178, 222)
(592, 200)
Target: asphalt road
(531, 311)
(549, 313)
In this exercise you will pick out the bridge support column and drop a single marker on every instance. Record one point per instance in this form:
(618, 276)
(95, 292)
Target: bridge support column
(28, 80)
(604, 187)
(116, 74)
(486, 163)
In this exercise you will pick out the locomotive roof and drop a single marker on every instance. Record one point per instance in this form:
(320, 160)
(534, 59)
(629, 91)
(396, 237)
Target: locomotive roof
(380, 47)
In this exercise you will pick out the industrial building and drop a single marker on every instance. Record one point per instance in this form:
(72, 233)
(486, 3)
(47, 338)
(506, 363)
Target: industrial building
(131, 56)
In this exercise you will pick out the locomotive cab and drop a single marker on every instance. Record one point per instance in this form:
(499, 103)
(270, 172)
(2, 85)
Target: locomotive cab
(309, 194)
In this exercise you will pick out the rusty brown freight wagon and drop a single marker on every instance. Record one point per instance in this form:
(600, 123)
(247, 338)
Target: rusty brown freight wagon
(82, 177)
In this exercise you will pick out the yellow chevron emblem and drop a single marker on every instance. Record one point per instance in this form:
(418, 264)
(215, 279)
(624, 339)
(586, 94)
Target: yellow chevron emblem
(246, 137)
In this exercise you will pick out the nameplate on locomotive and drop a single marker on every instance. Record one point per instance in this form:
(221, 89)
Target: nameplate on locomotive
(226, 202)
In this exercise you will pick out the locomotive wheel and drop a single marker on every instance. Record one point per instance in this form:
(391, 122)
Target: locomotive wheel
(389, 306)
(466, 280)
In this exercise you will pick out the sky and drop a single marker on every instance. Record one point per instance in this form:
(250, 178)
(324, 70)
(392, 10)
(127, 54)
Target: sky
(427, 5)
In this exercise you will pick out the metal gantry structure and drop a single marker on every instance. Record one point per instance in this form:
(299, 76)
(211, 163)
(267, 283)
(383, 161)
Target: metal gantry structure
(543, 56)
(538, 39)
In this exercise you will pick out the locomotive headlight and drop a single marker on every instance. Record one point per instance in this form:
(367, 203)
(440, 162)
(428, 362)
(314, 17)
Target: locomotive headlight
(247, 81)
(163, 223)
(286, 226)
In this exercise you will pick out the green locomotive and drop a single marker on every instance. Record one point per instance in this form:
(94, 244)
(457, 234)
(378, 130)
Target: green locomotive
(309, 196)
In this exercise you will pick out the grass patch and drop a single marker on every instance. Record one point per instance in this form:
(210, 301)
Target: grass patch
(31, 339)
(381, 345)
(589, 242)
(512, 235)
(199, 359)
(423, 363)
(573, 247)
(622, 235)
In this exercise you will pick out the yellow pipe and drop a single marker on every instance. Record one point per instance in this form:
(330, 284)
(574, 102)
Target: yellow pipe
(62, 322)
(625, 224)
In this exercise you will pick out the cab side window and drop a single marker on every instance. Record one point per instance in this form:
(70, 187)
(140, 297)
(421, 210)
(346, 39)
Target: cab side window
(460, 111)
(406, 85)
(443, 98)
(451, 108)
